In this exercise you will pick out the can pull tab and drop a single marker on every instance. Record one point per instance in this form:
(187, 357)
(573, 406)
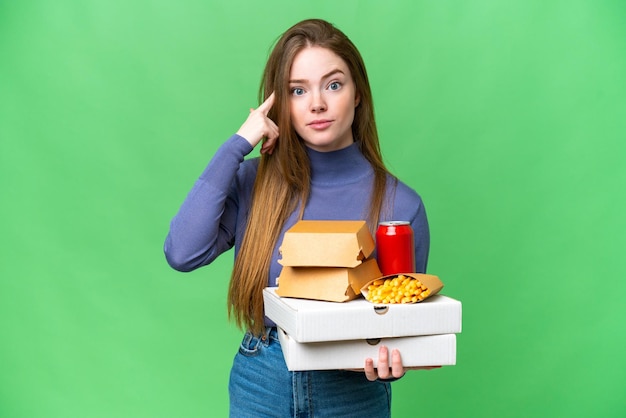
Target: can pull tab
(372, 341)
(381, 309)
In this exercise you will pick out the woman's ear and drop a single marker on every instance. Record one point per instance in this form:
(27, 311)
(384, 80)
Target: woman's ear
(357, 100)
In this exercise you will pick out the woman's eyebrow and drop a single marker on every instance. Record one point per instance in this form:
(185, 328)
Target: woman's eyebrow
(329, 74)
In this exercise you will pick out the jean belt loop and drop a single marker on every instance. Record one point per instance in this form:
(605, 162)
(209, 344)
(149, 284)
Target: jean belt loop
(265, 338)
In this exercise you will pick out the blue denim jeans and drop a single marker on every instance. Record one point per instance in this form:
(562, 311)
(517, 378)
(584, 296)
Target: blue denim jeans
(261, 386)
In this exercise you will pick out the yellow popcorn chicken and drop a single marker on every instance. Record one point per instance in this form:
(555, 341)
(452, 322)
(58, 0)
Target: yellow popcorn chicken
(399, 289)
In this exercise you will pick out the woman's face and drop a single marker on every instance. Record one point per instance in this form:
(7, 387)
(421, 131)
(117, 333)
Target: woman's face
(322, 99)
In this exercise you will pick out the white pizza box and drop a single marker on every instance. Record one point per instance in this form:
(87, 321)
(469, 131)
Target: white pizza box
(314, 320)
(425, 350)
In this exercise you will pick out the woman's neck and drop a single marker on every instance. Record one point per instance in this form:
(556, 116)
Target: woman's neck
(347, 165)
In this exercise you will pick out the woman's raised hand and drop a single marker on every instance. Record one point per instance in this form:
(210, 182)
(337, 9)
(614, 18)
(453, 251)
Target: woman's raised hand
(259, 126)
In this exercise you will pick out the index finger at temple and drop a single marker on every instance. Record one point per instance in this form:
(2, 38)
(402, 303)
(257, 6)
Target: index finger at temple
(267, 104)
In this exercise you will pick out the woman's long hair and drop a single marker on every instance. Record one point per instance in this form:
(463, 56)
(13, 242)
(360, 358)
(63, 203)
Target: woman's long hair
(283, 179)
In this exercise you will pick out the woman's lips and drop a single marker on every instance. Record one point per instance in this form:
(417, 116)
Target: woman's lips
(320, 124)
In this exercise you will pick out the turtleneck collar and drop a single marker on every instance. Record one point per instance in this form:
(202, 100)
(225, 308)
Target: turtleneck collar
(344, 166)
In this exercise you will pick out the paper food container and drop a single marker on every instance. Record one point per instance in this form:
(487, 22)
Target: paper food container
(334, 284)
(314, 320)
(326, 260)
(427, 350)
(326, 244)
(432, 283)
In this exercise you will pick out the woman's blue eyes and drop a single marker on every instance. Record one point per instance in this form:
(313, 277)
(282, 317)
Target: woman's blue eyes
(298, 91)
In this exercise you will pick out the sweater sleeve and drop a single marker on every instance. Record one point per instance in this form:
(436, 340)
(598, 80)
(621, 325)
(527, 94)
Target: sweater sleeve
(206, 223)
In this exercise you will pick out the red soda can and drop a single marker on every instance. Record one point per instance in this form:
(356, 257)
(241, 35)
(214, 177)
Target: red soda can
(395, 248)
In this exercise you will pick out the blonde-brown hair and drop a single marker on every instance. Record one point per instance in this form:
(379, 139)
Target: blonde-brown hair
(283, 179)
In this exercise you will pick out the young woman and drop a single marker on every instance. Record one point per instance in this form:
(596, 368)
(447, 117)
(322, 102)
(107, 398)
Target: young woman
(320, 159)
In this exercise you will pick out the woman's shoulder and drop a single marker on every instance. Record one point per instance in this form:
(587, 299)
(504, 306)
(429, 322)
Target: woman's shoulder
(407, 202)
(403, 190)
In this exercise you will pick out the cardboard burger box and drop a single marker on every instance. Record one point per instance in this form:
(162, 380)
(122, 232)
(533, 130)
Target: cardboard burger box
(308, 321)
(426, 350)
(326, 260)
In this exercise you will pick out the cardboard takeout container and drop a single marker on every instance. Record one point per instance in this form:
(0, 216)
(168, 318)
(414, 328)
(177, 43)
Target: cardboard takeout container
(334, 284)
(326, 260)
(432, 283)
(314, 320)
(326, 244)
(427, 350)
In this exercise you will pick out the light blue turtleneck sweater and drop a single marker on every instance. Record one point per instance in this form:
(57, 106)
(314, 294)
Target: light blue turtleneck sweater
(212, 218)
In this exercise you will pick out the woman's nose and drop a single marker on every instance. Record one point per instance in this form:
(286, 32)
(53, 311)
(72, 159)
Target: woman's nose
(317, 103)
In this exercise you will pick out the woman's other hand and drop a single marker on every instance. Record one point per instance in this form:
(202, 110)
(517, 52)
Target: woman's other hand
(385, 370)
(259, 126)
(388, 371)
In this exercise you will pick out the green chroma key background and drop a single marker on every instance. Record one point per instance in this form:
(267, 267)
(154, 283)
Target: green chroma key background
(509, 118)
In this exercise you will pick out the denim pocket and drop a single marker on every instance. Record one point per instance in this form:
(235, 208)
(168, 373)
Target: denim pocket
(250, 345)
